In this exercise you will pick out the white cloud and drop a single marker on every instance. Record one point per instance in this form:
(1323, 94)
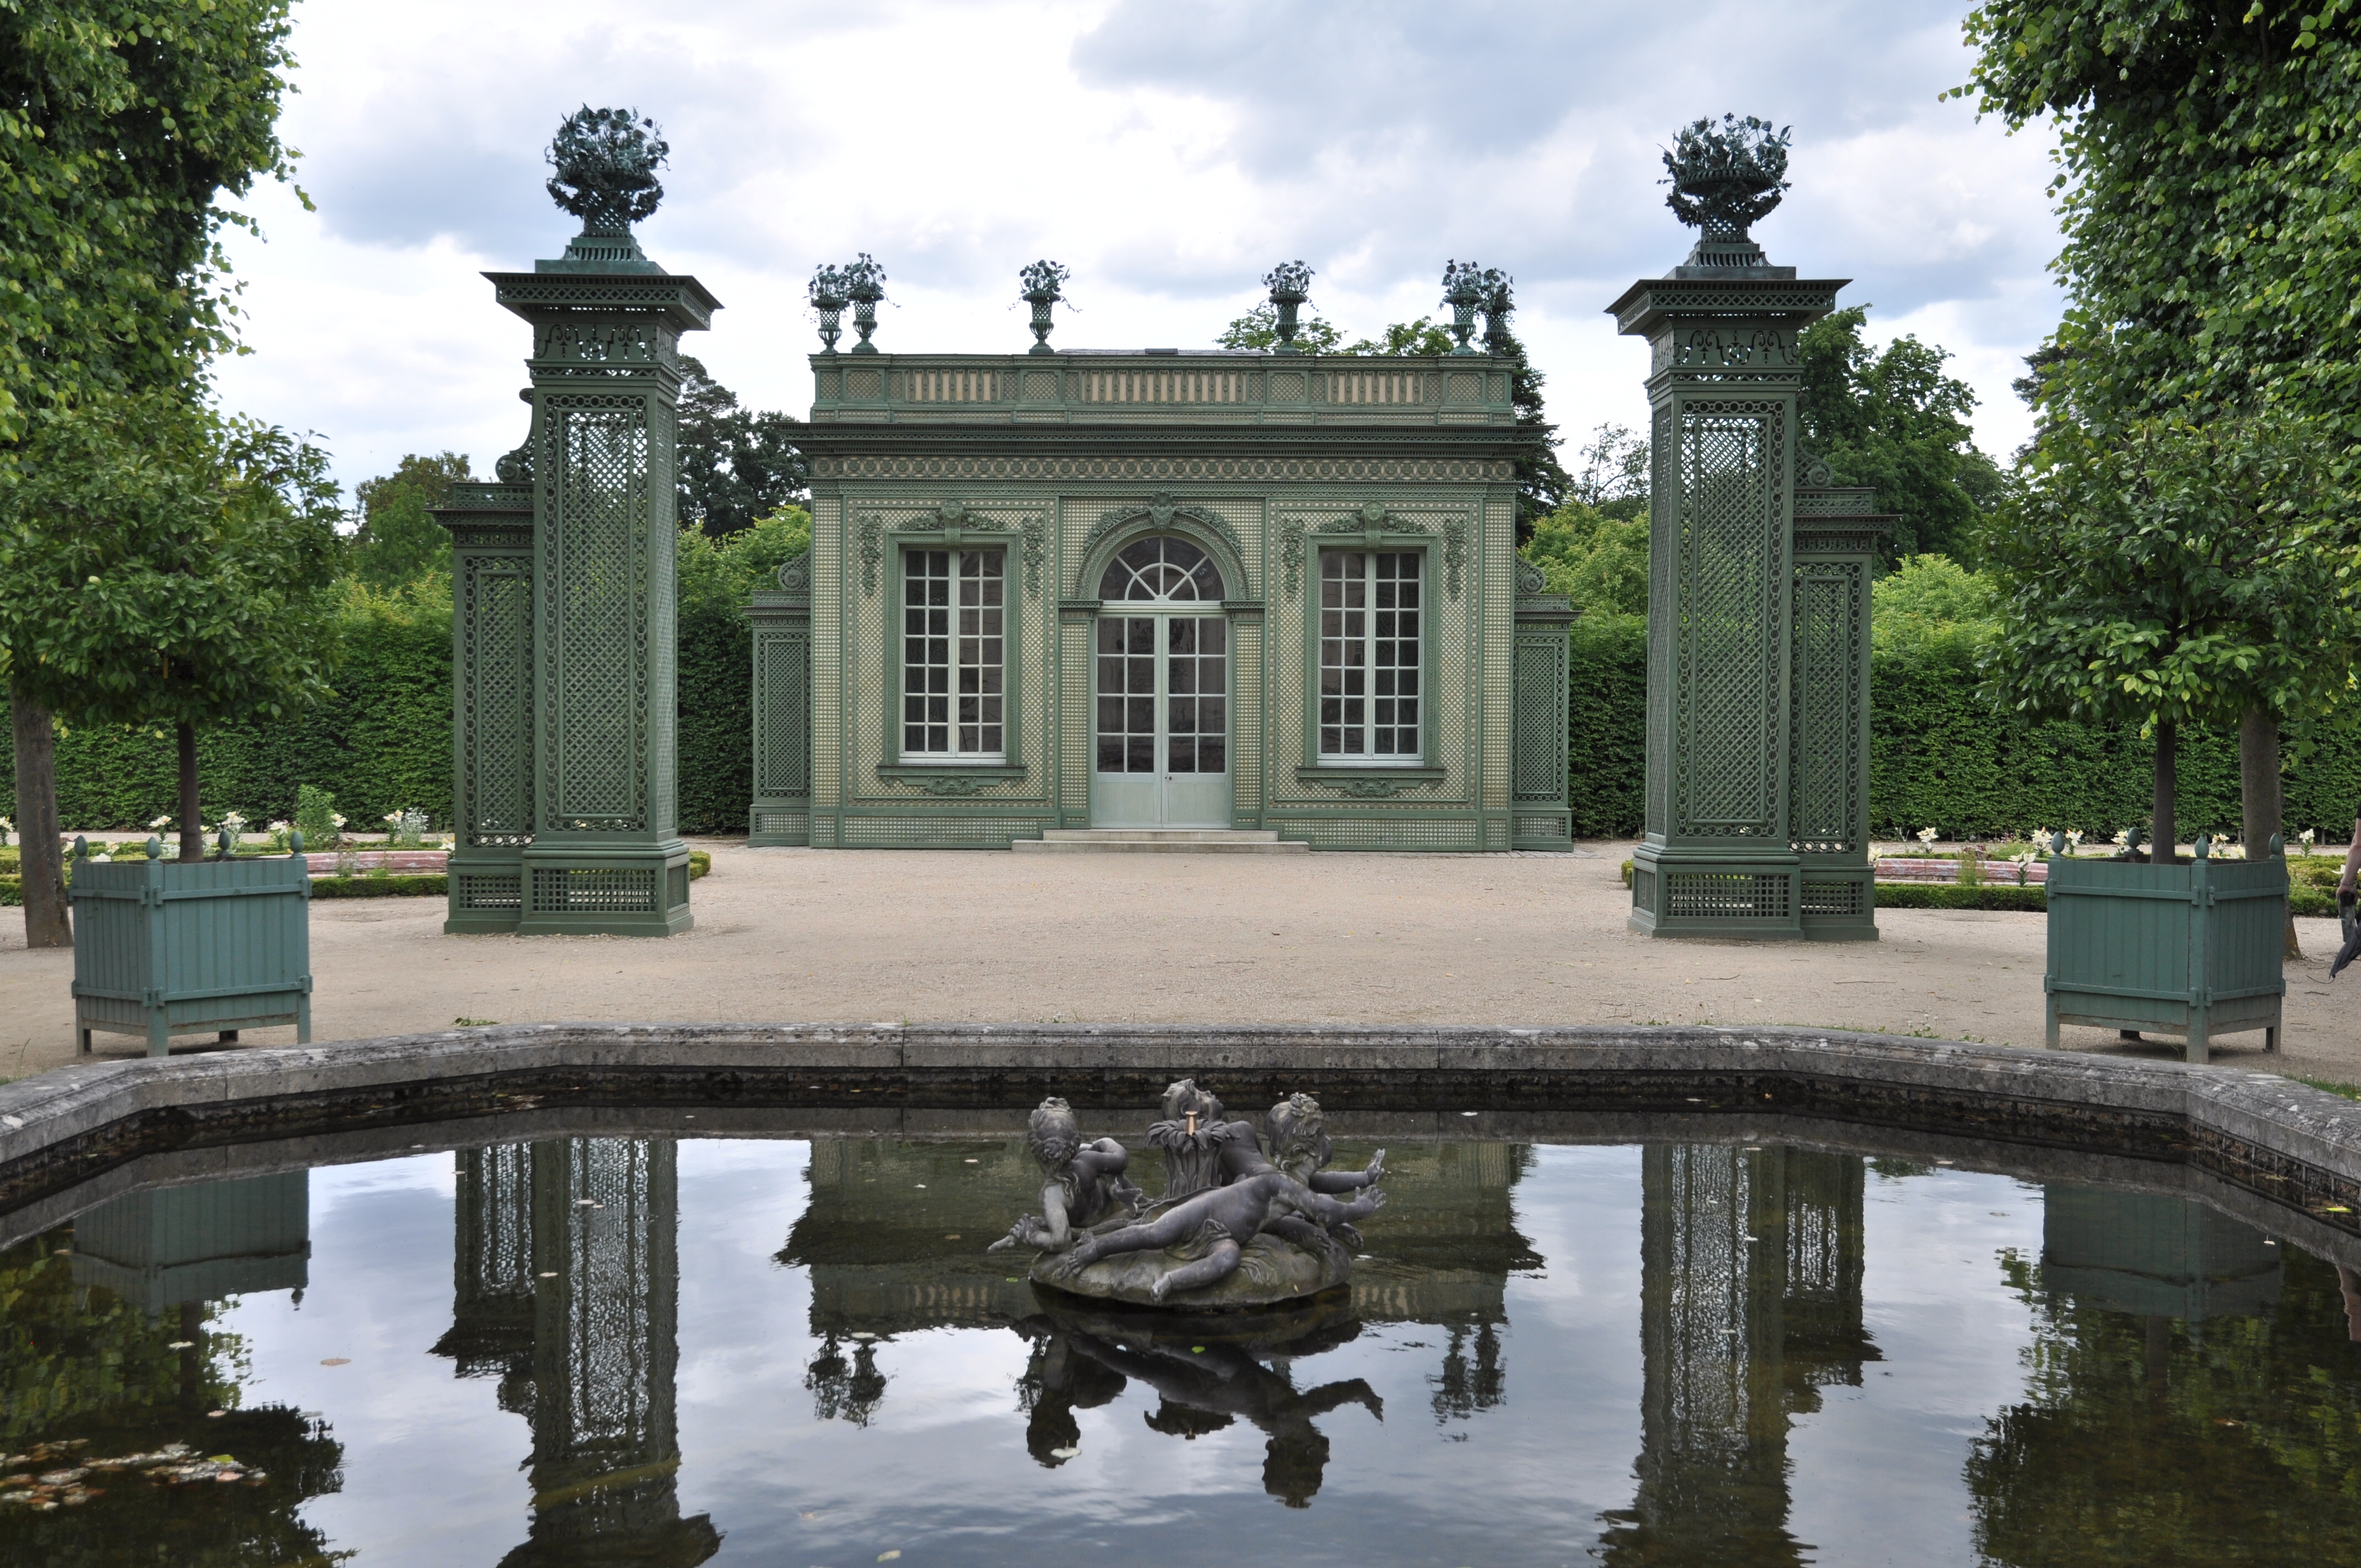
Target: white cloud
(1169, 153)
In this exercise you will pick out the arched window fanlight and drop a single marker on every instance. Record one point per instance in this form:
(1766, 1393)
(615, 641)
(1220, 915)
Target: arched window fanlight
(1161, 568)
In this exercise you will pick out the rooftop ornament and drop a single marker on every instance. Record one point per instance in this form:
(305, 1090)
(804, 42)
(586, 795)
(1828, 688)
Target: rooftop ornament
(605, 162)
(1044, 281)
(1465, 288)
(1289, 283)
(1724, 178)
(1499, 300)
(865, 285)
(829, 298)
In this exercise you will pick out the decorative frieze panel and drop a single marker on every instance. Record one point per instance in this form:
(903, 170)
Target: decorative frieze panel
(1277, 470)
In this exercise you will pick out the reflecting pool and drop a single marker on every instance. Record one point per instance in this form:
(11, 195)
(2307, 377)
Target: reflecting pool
(659, 1351)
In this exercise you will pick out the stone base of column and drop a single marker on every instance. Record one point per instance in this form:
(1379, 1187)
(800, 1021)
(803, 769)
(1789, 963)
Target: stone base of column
(487, 891)
(1688, 892)
(617, 891)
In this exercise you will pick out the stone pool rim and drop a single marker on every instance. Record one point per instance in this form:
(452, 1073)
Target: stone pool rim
(2281, 1139)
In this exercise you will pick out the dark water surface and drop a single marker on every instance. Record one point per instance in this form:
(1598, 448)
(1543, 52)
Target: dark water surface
(659, 1352)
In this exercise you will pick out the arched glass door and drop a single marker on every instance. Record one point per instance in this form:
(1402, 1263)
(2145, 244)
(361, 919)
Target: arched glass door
(1161, 750)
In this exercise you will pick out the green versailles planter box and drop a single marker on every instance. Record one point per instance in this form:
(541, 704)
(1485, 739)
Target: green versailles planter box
(2193, 950)
(165, 948)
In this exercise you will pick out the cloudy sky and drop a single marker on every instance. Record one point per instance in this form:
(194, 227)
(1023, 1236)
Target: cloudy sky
(1170, 151)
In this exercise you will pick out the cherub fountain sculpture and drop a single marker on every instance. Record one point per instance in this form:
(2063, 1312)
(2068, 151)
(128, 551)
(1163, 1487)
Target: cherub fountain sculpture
(1236, 1226)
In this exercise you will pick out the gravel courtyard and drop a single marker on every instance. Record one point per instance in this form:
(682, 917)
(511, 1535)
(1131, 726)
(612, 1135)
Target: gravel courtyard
(945, 936)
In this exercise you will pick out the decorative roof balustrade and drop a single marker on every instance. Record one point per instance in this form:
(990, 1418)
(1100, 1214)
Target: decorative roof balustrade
(1214, 387)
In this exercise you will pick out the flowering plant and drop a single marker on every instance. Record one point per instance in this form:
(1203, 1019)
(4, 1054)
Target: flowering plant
(2074, 839)
(160, 823)
(2306, 837)
(6, 828)
(1926, 837)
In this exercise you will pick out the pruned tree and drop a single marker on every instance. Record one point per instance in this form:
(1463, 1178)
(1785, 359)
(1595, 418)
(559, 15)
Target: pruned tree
(162, 566)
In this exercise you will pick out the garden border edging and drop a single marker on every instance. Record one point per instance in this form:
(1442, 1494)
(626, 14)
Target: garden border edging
(2269, 1134)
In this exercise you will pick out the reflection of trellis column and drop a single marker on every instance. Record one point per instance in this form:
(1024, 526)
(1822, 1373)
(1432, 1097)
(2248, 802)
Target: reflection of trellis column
(606, 853)
(605, 1445)
(781, 810)
(1750, 1301)
(492, 1271)
(1725, 376)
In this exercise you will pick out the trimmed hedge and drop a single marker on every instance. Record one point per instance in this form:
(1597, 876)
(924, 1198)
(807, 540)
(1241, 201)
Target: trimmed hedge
(1941, 757)
(1950, 895)
(433, 884)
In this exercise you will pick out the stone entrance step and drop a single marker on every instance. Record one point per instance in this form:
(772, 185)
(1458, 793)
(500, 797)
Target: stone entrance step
(1157, 841)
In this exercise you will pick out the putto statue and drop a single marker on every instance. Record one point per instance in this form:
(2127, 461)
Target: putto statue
(1236, 1227)
(1727, 176)
(606, 162)
(1085, 1185)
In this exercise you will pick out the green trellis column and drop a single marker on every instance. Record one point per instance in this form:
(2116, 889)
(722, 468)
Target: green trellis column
(605, 853)
(1717, 859)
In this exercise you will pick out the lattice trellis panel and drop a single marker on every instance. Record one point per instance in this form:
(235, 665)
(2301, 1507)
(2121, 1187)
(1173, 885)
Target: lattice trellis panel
(1401, 833)
(491, 890)
(829, 596)
(1245, 718)
(496, 672)
(1539, 719)
(1664, 563)
(595, 593)
(1725, 895)
(1733, 556)
(783, 694)
(1493, 562)
(1074, 732)
(1825, 718)
(593, 890)
(662, 618)
(912, 832)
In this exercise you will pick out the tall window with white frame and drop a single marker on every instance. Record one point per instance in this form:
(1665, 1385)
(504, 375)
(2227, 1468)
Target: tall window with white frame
(1369, 666)
(952, 674)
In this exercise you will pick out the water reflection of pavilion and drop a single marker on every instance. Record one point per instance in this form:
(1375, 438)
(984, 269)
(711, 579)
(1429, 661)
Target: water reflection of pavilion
(1750, 1304)
(566, 1287)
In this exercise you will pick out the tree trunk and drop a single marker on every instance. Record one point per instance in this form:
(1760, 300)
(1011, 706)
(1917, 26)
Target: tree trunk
(2263, 798)
(192, 827)
(37, 858)
(2164, 833)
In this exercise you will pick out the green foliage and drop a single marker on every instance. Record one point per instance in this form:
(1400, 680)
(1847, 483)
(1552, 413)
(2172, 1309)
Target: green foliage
(120, 120)
(1942, 756)
(1258, 328)
(1418, 339)
(2206, 162)
(1951, 895)
(315, 815)
(2183, 574)
(1613, 480)
(398, 541)
(1893, 420)
(734, 464)
(1600, 562)
(1932, 598)
(717, 654)
(380, 740)
(1607, 726)
(162, 566)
